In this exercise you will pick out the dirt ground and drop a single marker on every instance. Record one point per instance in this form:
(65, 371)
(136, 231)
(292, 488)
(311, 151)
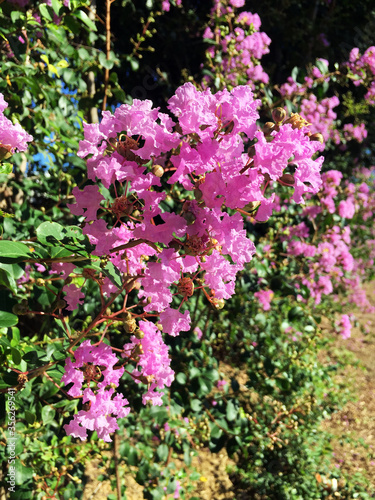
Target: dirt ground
(353, 426)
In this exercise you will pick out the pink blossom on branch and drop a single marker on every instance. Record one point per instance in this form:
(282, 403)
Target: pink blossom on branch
(164, 252)
(12, 136)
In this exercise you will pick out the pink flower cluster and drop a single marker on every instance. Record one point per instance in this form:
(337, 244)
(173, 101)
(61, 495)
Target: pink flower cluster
(95, 365)
(154, 363)
(292, 87)
(241, 49)
(345, 326)
(207, 158)
(321, 116)
(202, 243)
(362, 70)
(355, 132)
(330, 260)
(165, 5)
(264, 297)
(12, 137)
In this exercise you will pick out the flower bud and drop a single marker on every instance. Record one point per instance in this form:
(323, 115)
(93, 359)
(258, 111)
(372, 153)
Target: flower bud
(130, 325)
(252, 206)
(189, 217)
(60, 304)
(279, 115)
(104, 261)
(19, 309)
(317, 137)
(138, 350)
(139, 333)
(218, 303)
(297, 121)
(268, 127)
(228, 127)
(5, 152)
(157, 170)
(176, 245)
(287, 179)
(198, 194)
(22, 379)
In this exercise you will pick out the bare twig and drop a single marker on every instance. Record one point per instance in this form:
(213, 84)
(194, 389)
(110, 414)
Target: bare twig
(108, 49)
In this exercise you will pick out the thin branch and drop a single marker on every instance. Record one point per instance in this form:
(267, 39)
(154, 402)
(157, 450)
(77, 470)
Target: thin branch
(108, 49)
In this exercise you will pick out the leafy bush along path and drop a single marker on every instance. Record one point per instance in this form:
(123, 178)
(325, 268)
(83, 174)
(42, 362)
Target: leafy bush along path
(353, 427)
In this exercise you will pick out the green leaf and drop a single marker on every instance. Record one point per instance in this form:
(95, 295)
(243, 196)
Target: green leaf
(194, 372)
(132, 456)
(187, 456)
(7, 280)
(23, 474)
(162, 452)
(322, 66)
(72, 23)
(6, 168)
(44, 10)
(107, 63)
(295, 312)
(134, 63)
(30, 417)
(181, 378)
(16, 356)
(13, 251)
(216, 432)
(231, 411)
(56, 5)
(48, 414)
(50, 232)
(85, 18)
(9, 273)
(113, 274)
(7, 319)
(15, 15)
(196, 405)
(294, 74)
(69, 75)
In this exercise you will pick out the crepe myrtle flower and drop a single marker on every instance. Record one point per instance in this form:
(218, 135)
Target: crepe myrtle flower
(94, 366)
